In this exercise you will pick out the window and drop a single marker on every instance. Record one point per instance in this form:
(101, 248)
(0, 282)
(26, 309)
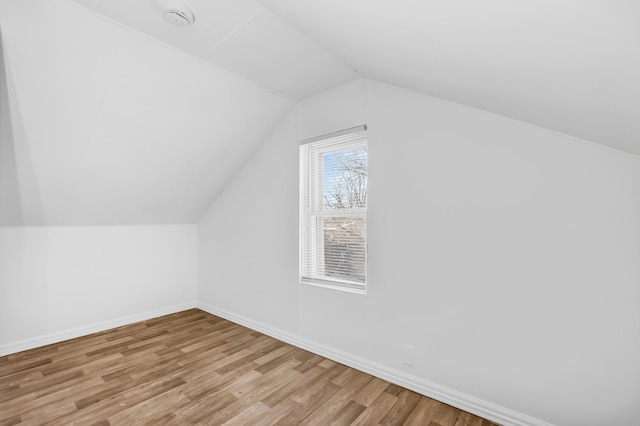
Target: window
(333, 210)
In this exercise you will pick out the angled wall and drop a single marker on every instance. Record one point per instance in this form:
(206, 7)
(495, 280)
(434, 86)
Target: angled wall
(112, 127)
(103, 132)
(9, 194)
(504, 253)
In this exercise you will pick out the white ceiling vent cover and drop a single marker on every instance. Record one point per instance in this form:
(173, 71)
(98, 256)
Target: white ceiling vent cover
(178, 13)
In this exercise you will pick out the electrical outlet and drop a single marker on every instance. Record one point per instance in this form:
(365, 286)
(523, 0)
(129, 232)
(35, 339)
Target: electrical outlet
(408, 356)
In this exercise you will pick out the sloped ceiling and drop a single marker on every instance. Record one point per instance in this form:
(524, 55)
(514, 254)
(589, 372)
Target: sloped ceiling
(571, 65)
(100, 125)
(109, 115)
(240, 36)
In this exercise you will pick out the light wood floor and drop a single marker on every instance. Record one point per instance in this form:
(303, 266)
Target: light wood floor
(192, 367)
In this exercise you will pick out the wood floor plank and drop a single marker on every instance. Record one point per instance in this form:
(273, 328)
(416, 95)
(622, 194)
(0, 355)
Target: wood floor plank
(11, 421)
(22, 406)
(371, 392)
(423, 412)
(195, 368)
(402, 409)
(266, 383)
(277, 396)
(248, 416)
(327, 363)
(376, 410)
(309, 363)
(348, 413)
(34, 417)
(282, 350)
(280, 412)
(310, 404)
(327, 411)
(54, 382)
(202, 410)
(446, 415)
(137, 407)
(22, 368)
(303, 394)
(467, 419)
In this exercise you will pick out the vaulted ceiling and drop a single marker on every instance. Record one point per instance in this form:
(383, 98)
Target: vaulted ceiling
(240, 36)
(572, 66)
(110, 115)
(103, 126)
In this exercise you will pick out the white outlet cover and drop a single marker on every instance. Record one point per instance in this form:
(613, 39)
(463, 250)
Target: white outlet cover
(408, 356)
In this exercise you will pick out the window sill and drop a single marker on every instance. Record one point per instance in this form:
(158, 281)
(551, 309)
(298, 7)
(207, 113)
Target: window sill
(333, 286)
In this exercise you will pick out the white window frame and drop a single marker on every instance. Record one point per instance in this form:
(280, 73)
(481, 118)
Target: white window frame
(311, 206)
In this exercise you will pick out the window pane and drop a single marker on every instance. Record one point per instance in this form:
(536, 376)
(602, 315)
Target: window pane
(333, 211)
(345, 248)
(344, 179)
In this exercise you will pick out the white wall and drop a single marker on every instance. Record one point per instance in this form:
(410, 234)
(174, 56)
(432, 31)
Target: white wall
(62, 282)
(248, 241)
(504, 253)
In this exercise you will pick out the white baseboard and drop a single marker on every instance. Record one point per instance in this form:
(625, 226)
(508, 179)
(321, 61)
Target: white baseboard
(444, 394)
(60, 336)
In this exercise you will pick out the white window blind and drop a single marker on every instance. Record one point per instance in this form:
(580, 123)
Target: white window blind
(333, 210)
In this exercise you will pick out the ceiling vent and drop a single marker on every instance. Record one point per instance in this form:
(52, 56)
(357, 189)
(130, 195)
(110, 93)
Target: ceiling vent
(178, 13)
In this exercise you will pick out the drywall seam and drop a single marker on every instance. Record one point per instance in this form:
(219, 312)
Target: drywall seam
(177, 50)
(72, 333)
(444, 394)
